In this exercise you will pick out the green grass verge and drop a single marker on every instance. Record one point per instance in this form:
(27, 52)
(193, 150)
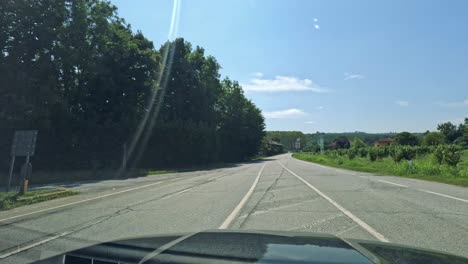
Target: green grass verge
(423, 167)
(158, 172)
(11, 200)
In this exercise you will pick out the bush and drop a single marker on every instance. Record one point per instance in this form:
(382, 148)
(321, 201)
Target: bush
(409, 153)
(448, 154)
(422, 150)
(399, 153)
(439, 154)
(373, 152)
(382, 152)
(452, 155)
(352, 152)
(362, 152)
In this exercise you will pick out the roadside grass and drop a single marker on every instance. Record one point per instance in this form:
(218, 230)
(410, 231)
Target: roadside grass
(10, 200)
(423, 167)
(158, 172)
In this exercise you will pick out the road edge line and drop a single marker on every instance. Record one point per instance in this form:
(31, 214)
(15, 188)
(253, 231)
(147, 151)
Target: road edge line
(241, 204)
(444, 195)
(38, 243)
(396, 184)
(364, 225)
(80, 201)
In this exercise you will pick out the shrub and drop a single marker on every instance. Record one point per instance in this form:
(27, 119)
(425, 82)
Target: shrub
(409, 153)
(382, 152)
(399, 153)
(448, 154)
(452, 155)
(422, 150)
(373, 151)
(438, 154)
(362, 152)
(352, 152)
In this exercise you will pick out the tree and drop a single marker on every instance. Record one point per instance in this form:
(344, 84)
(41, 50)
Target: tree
(241, 123)
(74, 70)
(463, 130)
(406, 138)
(433, 139)
(340, 143)
(357, 143)
(449, 131)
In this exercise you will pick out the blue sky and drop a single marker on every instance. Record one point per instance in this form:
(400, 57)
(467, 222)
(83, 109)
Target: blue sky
(330, 66)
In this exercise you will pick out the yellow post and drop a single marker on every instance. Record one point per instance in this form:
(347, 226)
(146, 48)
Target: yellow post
(25, 187)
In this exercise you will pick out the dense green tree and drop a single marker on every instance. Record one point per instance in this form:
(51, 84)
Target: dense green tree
(406, 138)
(74, 70)
(449, 131)
(241, 123)
(433, 139)
(358, 143)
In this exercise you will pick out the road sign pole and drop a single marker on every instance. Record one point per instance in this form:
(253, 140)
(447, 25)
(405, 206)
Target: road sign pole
(11, 172)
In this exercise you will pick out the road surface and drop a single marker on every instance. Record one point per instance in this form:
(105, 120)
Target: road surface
(279, 193)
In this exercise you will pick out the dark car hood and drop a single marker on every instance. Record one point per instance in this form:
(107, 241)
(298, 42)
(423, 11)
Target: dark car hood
(254, 247)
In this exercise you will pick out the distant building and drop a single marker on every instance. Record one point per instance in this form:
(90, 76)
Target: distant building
(384, 142)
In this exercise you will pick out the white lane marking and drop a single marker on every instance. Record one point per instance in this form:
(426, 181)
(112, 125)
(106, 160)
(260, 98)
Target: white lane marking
(444, 195)
(236, 211)
(369, 229)
(400, 185)
(177, 193)
(81, 201)
(21, 249)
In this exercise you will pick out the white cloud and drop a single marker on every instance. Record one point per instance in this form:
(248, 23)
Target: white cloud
(288, 113)
(310, 122)
(402, 103)
(317, 27)
(353, 76)
(257, 74)
(282, 84)
(315, 19)
(319, 107)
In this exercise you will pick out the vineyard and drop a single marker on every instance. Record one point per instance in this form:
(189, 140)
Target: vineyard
(442, 163)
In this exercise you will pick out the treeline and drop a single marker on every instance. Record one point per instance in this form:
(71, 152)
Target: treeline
(328, 138)
(447, 133)
(75, 71)
(310, 141)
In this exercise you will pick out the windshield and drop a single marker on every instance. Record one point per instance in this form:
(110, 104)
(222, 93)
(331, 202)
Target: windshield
(121, 119)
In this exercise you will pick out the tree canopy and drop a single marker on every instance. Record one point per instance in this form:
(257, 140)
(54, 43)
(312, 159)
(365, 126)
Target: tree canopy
(406, 138)
(75, 71)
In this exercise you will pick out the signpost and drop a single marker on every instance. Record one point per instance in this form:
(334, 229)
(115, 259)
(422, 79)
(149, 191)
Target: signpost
(24, 144)
(320, 141)
(298, 144)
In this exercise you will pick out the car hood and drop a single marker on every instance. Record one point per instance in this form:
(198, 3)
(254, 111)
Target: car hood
(215, 246)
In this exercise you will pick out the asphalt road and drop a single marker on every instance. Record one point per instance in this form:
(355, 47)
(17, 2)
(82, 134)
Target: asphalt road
(280, 193)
